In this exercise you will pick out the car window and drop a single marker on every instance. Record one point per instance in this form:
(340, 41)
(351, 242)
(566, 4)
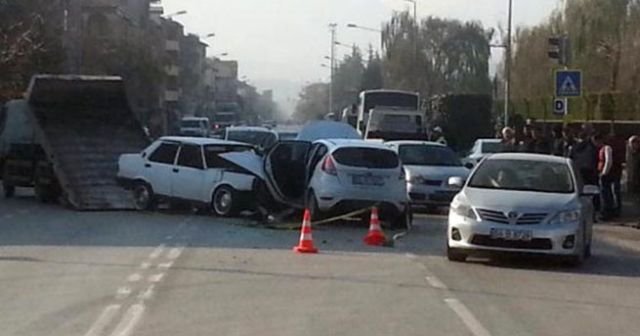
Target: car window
(165, 153)
(491, 147)
(190, 156)
(427, 155)
(318, 152)
(191, 123)
(366, 157)
(212, 154)
(523, 175)
(259, 138)
(3, 117)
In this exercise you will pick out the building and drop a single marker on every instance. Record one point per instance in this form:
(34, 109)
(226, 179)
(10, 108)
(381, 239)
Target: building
(226, 85)
(193, 53)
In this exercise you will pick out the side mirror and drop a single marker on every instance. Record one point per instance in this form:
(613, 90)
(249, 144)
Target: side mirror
(469, 165)
(455, 182)
(590, 190)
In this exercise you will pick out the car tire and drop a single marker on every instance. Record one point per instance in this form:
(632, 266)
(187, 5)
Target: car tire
(312, 206)
(224, 201)
(403, 221)
(143, 197)
(456, 255)
(9, 190)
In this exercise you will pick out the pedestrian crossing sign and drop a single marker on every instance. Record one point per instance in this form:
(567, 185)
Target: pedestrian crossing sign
(568, 83)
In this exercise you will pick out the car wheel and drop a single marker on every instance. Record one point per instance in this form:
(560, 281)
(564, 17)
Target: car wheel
(456, 255)
(9, 190)
(224, 201)
(312, 206)
(143, 197)
(404, 220)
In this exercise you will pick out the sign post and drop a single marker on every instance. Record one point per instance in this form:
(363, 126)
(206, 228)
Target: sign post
(560, 107)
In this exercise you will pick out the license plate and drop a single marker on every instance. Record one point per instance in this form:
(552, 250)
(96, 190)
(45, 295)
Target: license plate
(508, 234)
(367, 180)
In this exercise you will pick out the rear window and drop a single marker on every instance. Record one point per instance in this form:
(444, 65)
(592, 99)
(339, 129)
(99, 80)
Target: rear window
(491, 147)
(366, 157)
(191, 123)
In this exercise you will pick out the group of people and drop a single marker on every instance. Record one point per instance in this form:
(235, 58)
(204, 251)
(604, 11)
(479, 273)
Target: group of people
(600, 159)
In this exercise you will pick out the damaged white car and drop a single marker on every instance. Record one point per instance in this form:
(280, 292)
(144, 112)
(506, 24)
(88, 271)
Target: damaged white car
(331, 171)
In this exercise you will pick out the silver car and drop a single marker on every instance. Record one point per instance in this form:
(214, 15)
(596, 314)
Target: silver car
(428, 166)
(522, 203)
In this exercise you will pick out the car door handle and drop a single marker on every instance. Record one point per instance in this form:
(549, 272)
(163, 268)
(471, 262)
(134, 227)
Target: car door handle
(147, 165)
(175, 170)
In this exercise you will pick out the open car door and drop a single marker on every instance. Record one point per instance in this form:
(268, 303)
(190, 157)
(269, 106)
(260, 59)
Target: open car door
(285, 166)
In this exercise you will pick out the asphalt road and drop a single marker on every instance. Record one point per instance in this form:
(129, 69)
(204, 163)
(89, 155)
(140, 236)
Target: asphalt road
(125, 273)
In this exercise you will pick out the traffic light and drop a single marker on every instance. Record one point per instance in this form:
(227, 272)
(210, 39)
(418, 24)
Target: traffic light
(560, 49)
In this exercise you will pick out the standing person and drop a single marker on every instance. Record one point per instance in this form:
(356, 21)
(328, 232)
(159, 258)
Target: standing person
(539, 143)
(558, 141)
(633, 169)
(526, 144)
(607, 174)
(585, 155)
(438, 136)
(508, 142)
(619, 148)
(568, 141)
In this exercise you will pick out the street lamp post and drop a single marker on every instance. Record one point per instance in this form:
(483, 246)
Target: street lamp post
(332, 28)
(178, 13)
(374, 30)
(507, 67)
(415, 42)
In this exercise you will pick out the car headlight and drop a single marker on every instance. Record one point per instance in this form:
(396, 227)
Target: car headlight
(565, 217)
(464, 210)
(417, 179)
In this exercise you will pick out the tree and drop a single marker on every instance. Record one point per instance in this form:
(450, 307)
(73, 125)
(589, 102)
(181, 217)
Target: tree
(30, 41)
(347, 79)
(453, 57)
(313, 102)
(372, 76)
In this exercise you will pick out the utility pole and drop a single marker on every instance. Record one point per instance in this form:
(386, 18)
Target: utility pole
(507, 67)
(415, 44)
(332, 28)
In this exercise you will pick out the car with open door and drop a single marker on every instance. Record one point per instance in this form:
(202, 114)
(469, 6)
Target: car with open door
(188, 170)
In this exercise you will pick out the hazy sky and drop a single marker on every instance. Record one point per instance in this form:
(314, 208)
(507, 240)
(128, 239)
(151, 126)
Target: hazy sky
(281, 43)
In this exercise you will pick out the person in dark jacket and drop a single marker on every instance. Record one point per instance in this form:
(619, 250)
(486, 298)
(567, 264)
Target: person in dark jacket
(538, 143)
(568, 141)
(558, 141)
(633, 169)
(585, 156)
(618, 147)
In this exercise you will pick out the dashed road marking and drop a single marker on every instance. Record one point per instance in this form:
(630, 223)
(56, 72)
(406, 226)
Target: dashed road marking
(123, 292)
(147, 293)
(175, 252)
(157, 252)
(467, 317)
(103, 320)
(129, 320)
(156, 277)
(135, 277)
(435, 282)
(166, 265)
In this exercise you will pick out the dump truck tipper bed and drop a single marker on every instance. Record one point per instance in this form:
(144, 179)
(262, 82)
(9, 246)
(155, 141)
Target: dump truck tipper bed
(84, 124)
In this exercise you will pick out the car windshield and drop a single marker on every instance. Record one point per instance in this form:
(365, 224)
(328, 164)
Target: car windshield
(258, 138)
(191, 123)
(490, 147)
(428, 155)
(523, 175)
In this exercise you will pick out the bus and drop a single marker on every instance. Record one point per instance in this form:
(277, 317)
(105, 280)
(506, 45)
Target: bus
(395, 99)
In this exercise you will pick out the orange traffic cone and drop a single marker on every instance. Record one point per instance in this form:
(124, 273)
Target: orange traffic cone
(375, 236)
(306, 240)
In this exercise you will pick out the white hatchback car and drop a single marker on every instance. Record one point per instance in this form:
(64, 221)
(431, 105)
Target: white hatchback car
(188, 169)
(522, 203)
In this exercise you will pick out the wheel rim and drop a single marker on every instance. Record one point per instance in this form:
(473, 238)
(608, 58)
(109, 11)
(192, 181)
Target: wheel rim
(223, 202)
(142, 197)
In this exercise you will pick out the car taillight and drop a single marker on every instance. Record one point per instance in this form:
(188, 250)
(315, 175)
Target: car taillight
(329, 167)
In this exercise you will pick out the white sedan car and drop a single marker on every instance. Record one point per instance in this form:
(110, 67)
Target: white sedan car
(428, 166)
(332, 176)
(482, 148)
(522, 203)
(188, 169)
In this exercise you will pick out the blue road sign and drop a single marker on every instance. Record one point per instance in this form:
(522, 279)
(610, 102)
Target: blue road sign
(560, 106)
(568, 83)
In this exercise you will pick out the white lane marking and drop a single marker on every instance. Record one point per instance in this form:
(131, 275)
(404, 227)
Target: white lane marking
(145, 265)
(175, 252)
(147, 293)
(467, 317)
(166, 265)
(435, 282)
(129, 320)
(157, 252)
(103, 321)
(135, 277)
(123, 292)
(156, 277)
